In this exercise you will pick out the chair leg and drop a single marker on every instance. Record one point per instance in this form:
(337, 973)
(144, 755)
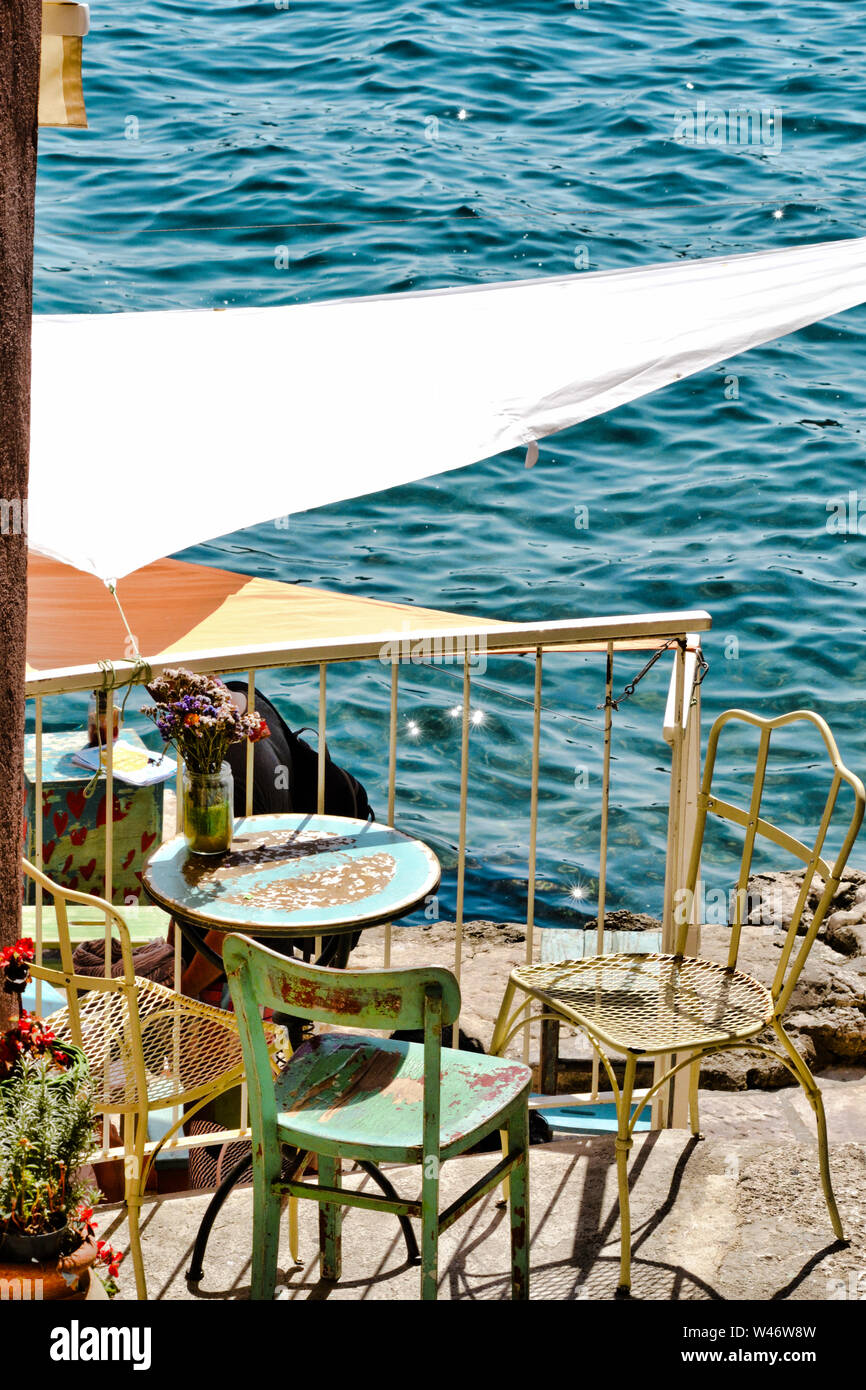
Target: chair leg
(502, 1019)
(135, 1136)
(430, 1228)
(330, 1220)
(518, 1138)
(694, 1082)
(506, 1182)
(266, 1222)
(294, 1236)
(816, 1100)
(623, 1148)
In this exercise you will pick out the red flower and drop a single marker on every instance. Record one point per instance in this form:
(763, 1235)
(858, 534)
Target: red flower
(22, 951)
(261, 732)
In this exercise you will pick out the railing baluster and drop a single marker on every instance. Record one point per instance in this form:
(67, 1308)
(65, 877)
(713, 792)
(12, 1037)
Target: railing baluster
(109, 871)
(533, 830)
(323, 719)
(392, 777)
(38, 814)
(461, 852)
(251, 704)
(661, 1108)
(605, 809)
(109, 808)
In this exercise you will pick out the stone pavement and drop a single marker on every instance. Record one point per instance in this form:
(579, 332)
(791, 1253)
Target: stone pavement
(727, 1217)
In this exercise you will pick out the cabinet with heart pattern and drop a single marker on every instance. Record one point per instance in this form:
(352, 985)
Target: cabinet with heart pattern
(73, 824)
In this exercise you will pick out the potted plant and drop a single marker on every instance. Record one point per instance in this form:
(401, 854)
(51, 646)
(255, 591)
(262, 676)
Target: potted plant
(199, 717)
(48, 1239)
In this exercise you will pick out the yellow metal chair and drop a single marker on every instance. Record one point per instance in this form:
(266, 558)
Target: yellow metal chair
(148, 1047)
(657, 1005)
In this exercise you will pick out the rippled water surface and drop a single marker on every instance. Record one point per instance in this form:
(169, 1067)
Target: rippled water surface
(260, 154)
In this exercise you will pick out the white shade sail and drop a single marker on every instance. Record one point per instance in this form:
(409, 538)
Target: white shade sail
(152, 432)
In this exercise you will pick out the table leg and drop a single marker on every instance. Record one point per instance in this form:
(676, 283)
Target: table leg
(195, 1273)
(196, 938)
(196, 1268)
(412, 1252)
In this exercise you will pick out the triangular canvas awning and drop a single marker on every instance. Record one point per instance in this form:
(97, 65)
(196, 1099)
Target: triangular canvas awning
(152, 432)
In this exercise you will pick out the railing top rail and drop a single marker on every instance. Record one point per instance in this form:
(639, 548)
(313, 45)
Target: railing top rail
(634, 631)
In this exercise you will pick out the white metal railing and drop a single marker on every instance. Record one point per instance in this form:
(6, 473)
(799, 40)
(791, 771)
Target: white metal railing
(603, 636)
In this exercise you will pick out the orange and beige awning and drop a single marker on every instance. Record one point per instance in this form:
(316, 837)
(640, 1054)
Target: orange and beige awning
(210, 619)
(176, 610)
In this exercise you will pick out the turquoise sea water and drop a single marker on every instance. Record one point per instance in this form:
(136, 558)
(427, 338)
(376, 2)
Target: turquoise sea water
(377, 145)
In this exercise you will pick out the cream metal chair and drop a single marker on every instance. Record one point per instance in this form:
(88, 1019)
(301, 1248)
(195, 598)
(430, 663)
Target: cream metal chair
(657, 1005)
(148, 1047)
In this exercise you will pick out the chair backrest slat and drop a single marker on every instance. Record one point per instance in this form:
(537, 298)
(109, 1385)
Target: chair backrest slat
(754, 825)
(77, 985)
(426, 998)
(382, 999)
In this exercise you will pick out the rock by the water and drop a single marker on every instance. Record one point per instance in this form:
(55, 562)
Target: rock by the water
(826, 1018)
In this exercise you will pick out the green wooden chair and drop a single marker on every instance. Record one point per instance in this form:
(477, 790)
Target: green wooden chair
(370, 1099)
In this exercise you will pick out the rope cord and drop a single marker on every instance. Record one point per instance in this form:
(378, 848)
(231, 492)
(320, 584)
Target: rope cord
(140, 674)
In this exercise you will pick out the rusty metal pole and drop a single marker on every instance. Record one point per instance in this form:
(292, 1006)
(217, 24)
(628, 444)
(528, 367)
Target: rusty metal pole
(20, 28)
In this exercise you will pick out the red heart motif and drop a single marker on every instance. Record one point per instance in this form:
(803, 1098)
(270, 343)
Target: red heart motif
(128, 860)
(67, 866)
(76, 802)
(78, 835)
(61, 820)
(119, 813)
(48, 849)
(147, 841)
(87, 869)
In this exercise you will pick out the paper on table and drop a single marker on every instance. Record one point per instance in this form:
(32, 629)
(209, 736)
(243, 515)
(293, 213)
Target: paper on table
(137, 766)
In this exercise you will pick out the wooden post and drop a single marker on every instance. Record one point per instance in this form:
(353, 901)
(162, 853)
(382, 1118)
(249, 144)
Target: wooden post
(20, 30)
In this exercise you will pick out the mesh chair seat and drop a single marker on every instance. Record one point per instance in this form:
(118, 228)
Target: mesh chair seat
(651, 1003)
(187, 1045)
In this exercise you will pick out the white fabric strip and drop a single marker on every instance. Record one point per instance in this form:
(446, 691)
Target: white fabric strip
(196, 423)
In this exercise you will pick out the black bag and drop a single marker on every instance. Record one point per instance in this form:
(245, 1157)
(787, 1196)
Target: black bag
(286, 772)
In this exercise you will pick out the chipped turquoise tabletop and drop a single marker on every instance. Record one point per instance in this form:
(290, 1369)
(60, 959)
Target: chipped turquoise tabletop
(295, 873)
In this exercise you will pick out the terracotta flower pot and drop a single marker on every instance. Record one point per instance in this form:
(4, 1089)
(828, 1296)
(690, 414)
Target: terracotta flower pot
(64, 1277)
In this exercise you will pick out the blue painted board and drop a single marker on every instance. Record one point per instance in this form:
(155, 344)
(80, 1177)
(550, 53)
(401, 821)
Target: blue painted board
(590, 1119)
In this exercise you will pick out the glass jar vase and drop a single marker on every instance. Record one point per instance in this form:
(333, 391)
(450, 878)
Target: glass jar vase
(208, 810)
(97, 720)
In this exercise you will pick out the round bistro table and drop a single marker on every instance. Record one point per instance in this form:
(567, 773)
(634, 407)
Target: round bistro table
(287, 878)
